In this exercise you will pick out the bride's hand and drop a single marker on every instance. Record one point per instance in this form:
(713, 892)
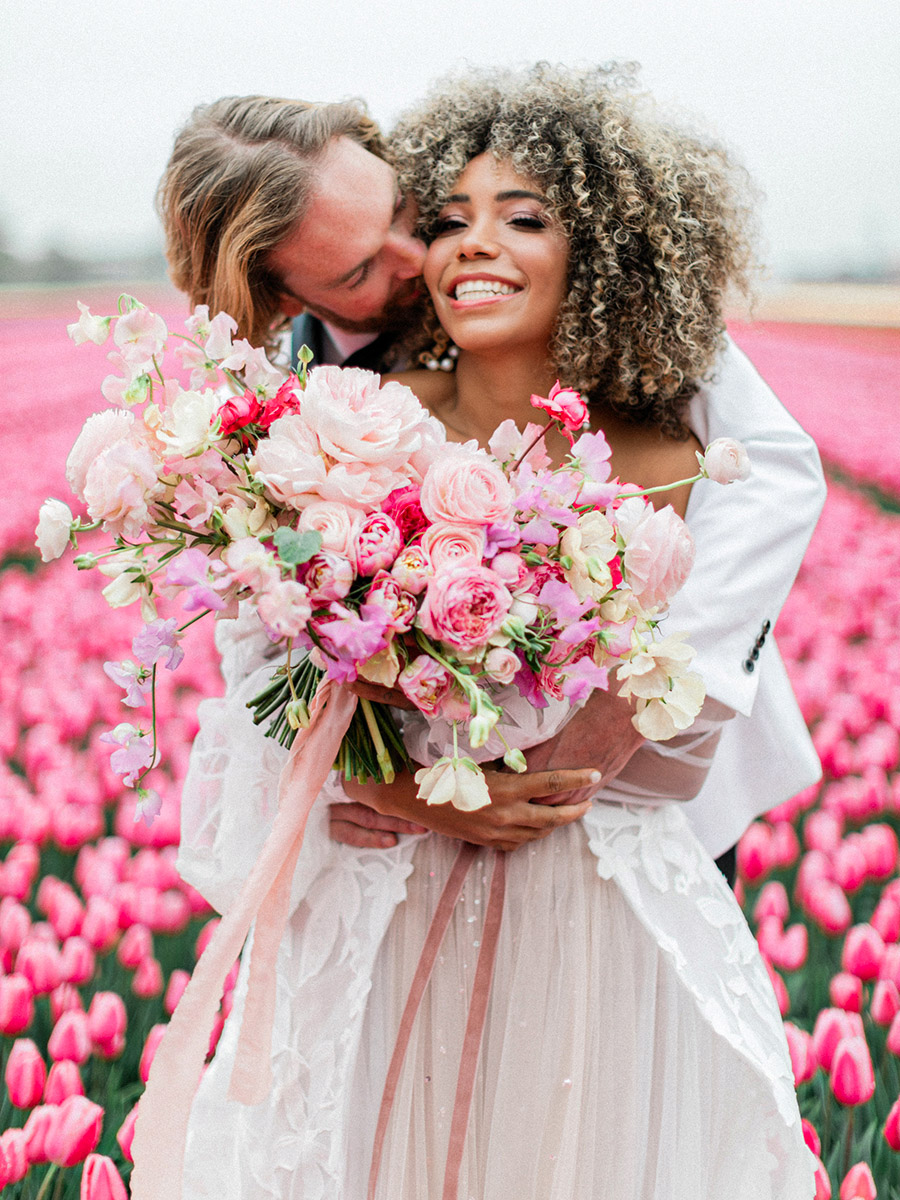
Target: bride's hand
(512, 819)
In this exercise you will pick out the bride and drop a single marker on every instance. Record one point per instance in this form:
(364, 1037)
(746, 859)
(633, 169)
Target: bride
(632, 1047)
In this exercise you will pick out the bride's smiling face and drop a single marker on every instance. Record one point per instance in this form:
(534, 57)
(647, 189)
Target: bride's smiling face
(497, 269)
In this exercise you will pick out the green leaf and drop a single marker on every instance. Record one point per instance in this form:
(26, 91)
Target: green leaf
(294, 547)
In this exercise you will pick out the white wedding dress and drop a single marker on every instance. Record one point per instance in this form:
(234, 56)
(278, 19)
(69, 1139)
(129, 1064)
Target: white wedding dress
(633, 1049)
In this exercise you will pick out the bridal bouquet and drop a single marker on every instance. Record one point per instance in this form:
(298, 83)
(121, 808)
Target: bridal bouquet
(370, 547)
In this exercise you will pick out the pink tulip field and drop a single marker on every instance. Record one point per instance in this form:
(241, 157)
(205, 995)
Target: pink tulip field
(98, 934)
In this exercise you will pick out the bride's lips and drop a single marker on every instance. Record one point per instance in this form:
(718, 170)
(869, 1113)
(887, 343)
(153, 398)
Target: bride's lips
(475, 297)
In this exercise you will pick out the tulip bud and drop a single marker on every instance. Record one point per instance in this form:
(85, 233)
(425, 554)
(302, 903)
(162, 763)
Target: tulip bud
(154, 1037)
(846, 991)
(107, 1020)
(37, 1130)
(39, 962)
(70, 1037)
(772, 902)
(15, 1148)
(755, 855)
(893, 1037)
(16, 1004)
(75, 1131)
(178, 981)
(828, 906)
(135, 946)
(26, 1074)
(823, 1183)
(15, 922)
(892, 1127)
(125, 1136)
(148, 979)
(852, 1076)
(64, 1080)
(781, 992)
(100, 926)
(204, 935)
(833, 1024)
(886, 918)
(811, 1137)
(885, 1002)
(863, 951)
(858, 1183)
(100, 1180)
(803, 1059)
(850, 866)
(77, 960)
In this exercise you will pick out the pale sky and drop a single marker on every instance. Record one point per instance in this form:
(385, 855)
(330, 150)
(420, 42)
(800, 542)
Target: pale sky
(806, 92)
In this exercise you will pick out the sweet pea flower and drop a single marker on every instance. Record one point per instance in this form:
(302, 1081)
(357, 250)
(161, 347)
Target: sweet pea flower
(140, 335)
(284, 608)
(133, 678)
(54, 526)
(187, 427)
(100, 1180)
(725, 461)
(135, 752)
(88, 328)
(203, 578)
(157, 640)
(456, 781)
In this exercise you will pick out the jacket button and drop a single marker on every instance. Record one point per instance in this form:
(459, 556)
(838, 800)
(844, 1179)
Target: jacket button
(749, 666)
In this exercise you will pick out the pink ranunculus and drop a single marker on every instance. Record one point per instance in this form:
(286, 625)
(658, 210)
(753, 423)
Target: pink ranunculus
(659, 552)
(328, 577)
(285, 608)
(52, 532)
(447, 543)
(564, 405)
(466, 485)
(338, 524)
(387, 594)
(289, 462)
(285, 402)
(726, 461)
(378, 543)
(464, 605)
(404, 506)
(239, 411)
(412, 569)
(425, 682)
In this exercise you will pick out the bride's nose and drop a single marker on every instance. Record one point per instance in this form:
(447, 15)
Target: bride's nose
(477, 242)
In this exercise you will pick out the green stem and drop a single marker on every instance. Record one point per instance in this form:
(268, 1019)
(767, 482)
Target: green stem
(48, 1178)
(664, 487)
(381, 752)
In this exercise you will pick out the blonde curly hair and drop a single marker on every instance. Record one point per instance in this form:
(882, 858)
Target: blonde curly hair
(655, 216)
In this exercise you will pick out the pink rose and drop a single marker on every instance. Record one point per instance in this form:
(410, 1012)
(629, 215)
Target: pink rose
(377, 543)
(510, 567)
(726, 461)
(659, 551)
(239, 411)
(425, 682)
(464, 605)
(466, 485)
(403, 505)
(338, 525)
(564, 405)
(328, 577)
(412, 569)
(445, 543)
(501, 664)
(285, 608)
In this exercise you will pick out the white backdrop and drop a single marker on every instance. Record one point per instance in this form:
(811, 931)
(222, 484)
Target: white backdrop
(807, 92)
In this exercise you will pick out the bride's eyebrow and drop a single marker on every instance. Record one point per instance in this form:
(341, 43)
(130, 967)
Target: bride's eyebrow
(516, 194)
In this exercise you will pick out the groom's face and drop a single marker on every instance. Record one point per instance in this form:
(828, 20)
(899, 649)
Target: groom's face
(352, 259)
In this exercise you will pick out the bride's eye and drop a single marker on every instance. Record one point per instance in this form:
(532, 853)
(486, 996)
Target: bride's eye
(528, 221)
(448, 224)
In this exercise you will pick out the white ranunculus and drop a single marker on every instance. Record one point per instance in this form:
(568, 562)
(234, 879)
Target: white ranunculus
(53, 528)
(726, 461)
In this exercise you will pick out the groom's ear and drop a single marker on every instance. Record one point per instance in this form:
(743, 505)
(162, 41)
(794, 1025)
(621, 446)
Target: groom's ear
(290, 306)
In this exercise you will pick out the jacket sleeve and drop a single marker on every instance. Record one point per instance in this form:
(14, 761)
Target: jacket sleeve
(750, 536)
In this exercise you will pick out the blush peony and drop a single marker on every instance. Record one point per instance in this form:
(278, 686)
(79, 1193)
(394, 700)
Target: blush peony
(464, 605)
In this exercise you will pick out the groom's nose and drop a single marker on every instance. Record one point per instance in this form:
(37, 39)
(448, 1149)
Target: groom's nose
(408, 254)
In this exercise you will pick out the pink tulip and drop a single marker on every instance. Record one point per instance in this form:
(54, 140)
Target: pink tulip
(813, 869)
(100, 926)
(154, 1037)
(772, 901)
(65, 998)
(135, 946)
(100, 1180)
(178, 981)
(15, 923)
(792, 948)
(755, 854)
(828, 906)
(39, 962)
(26, 1074)
(768, 936)
(75, 1131)
(863, 951)
(65, 913)
(885, 1002)
(850, 866)
(71, 1037)
(823, 1183)
(823, 831)
(803, 1059)
(893, 1037)
(810, 1136)
(832, 1025)
(892, 1127)
(148, 979)
(37, 1130)
(852, 1077)
(858, 1184)
(64, 1080)
(125, 1136)
(107, 1021)
(879, 843)
(785, 844)
(886, 918)
(16, 1004)
(778, 986)
(846, 991)
(205, 934)
(16, 1150)
(77, 960)
(890, 964)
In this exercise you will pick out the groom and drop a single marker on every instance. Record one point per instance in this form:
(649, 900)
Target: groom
(278, 209)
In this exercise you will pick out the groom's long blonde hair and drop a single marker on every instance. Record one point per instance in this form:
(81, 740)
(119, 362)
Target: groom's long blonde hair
(235, 186)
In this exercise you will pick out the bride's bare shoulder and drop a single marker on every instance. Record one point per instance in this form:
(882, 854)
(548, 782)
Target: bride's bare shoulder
(432, 388)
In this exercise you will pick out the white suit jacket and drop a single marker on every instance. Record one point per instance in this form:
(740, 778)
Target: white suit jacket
(750, 538)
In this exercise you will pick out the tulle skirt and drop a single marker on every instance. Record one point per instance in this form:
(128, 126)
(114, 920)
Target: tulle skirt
(632, 1048)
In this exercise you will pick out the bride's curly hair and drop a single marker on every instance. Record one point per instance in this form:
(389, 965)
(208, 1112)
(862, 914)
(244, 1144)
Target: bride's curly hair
(656, 219)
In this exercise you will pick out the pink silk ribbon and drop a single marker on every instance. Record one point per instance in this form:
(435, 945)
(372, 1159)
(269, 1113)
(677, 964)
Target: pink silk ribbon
(161, 1131)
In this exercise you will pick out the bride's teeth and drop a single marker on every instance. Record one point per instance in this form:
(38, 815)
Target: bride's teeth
(474, 288)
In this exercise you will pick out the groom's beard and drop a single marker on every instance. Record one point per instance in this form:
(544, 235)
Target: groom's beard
(404, 312)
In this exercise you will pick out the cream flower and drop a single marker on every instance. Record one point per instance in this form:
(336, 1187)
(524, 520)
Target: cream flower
(185, 424)
(590, 544)
(662, 718)
(456, 781)
(53, 527)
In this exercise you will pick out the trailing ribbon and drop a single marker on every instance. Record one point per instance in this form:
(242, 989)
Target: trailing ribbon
(161, 1131)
